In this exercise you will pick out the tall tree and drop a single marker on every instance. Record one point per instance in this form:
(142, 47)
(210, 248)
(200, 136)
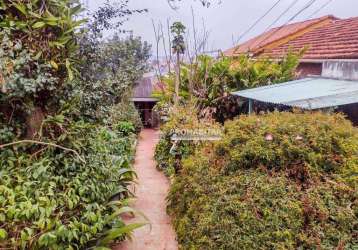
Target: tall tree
(178, 46)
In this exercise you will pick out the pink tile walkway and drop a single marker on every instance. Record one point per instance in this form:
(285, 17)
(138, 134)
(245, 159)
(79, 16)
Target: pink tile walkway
(151, 191)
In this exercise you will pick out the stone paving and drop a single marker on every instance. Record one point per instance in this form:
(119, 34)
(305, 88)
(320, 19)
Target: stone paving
(151, 192)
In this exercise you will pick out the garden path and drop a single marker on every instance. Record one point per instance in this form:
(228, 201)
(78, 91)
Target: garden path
(151, 192)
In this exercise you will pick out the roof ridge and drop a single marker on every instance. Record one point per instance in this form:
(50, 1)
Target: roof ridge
(263, 36)
(336, 40)
(310, 24)
(346, 19)
(310, 20)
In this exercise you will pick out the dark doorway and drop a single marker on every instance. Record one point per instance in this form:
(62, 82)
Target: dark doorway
(351, 111)
(148, 116)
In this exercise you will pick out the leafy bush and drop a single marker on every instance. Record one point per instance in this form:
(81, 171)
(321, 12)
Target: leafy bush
(170, 162)
(275, 181)
(46, 28)
(16, 80)
(58, 199)
(126, 128)
(126, 112)
(38, 46)
(108, 74)
(210, 82)
(169, 158)
(64, 155)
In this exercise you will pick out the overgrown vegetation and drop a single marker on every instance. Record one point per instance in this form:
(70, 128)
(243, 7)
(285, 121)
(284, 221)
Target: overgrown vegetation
(275, 181)
(67, 128)
(210, 81)
(53, 199)
(108, 74)
(183, 120)
(205, 96)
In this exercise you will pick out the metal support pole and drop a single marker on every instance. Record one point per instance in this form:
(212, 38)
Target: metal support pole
(251, 108)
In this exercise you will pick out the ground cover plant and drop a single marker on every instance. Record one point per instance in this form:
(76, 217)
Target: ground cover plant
(275, 181)
(60, 200)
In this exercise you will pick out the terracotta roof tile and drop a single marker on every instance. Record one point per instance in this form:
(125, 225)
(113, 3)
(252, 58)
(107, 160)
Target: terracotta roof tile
(273, 35)
(338, 40)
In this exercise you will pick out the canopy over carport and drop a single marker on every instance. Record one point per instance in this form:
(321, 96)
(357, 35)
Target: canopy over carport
(309, 93)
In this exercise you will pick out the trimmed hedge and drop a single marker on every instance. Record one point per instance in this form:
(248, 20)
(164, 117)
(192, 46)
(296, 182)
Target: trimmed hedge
(275, 181)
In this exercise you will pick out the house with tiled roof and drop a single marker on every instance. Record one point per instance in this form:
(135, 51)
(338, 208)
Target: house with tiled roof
(331, 54)
(327, 39)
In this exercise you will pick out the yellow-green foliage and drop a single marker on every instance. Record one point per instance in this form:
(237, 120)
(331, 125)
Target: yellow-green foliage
(210, 81)
(275, 181)
(182, 118)
(45, 28)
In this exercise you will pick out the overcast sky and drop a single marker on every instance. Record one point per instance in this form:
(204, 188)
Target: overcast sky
(228, 19)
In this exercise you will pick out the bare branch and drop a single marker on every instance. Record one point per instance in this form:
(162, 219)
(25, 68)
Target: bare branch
(167, 58)
(169, 42)
(45, 144)
(194, 31)
(157, 40)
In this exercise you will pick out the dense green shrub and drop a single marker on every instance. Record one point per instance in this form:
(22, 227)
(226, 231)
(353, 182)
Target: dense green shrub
(126, 128)
(126, 112)
(109, 72)
(61, 199)
(169, 158)
(65, 153)
(38, 46)
(170, 162)
(275, 181)
(46, 28)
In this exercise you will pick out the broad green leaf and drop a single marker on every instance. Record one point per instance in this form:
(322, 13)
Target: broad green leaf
(115, 233)
(54, 64)
(38, 25)
(69, 70)
(76, 10)
(3, 234)
(21, 8)
(56, 44)
(2, 217)
(63, 40)
(120, 212)
(51, 18)
(124, 210)
(34, 14)
(125, 171)
(70, 204)
(51, 23)
(38, 55)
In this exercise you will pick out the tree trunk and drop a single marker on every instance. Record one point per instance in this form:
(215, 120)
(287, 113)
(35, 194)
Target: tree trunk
(33, 122)
(177, 81)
